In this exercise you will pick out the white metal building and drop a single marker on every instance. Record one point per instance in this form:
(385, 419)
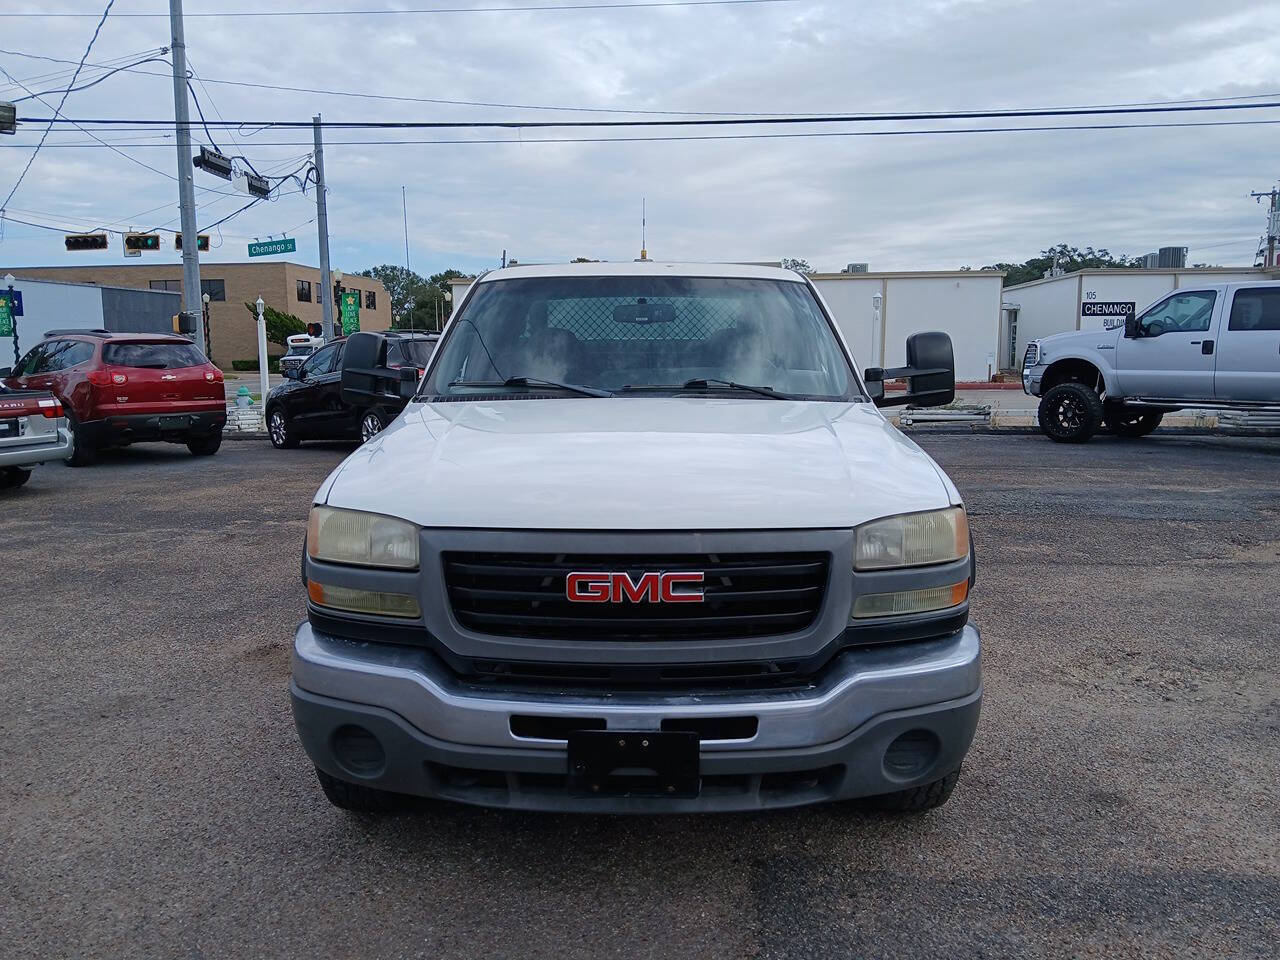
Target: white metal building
(50, 305)
(1096, 299)
(876, 313)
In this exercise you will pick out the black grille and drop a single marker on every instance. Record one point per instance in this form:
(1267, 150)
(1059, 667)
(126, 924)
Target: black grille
(747, 595)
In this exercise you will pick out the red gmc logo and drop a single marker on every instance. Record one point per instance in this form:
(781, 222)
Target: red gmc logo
(618, 587)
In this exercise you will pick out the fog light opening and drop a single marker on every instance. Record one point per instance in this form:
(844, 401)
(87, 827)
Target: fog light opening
(911, 754)
(358, 751)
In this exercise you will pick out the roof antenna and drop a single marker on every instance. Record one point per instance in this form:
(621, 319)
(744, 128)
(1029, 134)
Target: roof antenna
(644, 253)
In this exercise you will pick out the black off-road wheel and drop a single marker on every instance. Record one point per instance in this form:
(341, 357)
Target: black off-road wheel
(205, 446)
(1070, 413)
(927, 796)
(11, 477)
(360, 799)
(280, 430)
(1131, 423)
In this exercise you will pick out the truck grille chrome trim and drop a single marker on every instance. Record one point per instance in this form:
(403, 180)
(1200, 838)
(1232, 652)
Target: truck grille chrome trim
(745, 596)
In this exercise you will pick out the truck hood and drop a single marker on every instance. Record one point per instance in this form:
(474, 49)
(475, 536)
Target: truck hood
(641, 464)
(1074, 340)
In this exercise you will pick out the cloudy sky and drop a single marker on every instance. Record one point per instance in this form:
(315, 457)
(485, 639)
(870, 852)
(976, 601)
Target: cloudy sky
(899, 202)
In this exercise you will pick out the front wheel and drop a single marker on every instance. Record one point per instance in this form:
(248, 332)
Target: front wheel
(280, 430)
(205, 446)
(371, 424)
(11, 477)
(1070, 413)
(1126, 422)
(927, 796)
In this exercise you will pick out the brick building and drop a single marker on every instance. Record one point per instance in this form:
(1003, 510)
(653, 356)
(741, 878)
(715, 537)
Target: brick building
(288, 287)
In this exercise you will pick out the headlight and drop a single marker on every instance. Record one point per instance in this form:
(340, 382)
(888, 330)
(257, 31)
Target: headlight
(363, 601)
(366, 539)
(910, 601)
(1032, 356)
(912, 540)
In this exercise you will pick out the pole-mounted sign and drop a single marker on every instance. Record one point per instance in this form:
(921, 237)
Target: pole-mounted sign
(271, 247)
(350, 307)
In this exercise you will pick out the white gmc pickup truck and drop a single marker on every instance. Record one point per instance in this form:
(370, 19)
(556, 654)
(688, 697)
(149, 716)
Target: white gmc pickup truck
(1215, 347)
(641, 541)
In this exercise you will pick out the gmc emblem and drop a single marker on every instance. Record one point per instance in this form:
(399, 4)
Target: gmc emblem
(618, 587)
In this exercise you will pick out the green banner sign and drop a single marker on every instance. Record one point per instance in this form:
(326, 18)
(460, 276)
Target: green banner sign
(6, 316)
(350, 308)
(269, 248)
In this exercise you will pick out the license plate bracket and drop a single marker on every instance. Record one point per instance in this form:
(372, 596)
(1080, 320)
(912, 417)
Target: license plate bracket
(634, 762)
(175, 423)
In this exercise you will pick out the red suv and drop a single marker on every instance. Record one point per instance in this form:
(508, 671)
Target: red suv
(122, 388)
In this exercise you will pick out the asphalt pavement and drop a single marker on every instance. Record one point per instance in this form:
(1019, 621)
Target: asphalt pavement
(1119, 800)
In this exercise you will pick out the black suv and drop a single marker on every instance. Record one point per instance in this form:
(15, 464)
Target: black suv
(311, 405)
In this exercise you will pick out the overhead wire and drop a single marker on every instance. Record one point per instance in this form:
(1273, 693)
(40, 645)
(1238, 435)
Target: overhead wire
(366, 11)
(58, 110)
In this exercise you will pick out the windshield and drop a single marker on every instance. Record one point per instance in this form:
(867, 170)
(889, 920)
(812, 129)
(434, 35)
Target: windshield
(299, 352)
(624, 334)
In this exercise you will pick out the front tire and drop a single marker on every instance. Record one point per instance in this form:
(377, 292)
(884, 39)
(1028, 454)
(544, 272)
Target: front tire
(12, 477)
(205, 446)
(371, 424)
(1125, 422)
(280, 430)
(358, 798)
(927, 796)
(1070, 413)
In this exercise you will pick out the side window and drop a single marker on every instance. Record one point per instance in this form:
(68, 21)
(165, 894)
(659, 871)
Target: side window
(322, 361)
(54, 354)
(29, 362)
(1255, 308)
(1181, 313)
(77, 352)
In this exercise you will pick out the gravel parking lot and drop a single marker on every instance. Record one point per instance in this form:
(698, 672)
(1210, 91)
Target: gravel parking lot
(1120, 799)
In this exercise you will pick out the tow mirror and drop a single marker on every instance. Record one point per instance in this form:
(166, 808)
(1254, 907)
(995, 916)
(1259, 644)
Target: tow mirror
(930, 373)
(290, 372)
(408, 382)
(1131, 328)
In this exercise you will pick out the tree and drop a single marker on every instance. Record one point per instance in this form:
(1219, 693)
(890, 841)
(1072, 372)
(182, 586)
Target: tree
(403, 287)
(1065, 259)
(799, 266)
(279, 324)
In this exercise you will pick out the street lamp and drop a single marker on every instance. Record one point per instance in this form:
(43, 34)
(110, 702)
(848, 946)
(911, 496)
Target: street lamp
(208, 345)
(262, 352)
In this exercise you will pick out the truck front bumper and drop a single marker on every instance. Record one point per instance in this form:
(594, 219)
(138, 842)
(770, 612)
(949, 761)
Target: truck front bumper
(879, 719)
(1031, 377)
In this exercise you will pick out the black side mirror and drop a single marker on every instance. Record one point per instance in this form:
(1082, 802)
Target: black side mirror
(1131, 329)
(930, 373)
(290, 372)
(408, 382)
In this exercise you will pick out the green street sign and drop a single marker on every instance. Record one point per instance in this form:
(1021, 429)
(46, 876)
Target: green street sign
(6, 316)
(350, 309)
(269, 248)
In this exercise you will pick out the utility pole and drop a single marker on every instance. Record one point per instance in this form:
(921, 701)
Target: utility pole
(322, 229)
(186, 187)
(1273, 225)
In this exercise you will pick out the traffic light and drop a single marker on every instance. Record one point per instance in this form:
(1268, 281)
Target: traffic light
(86, 241)
(257, 186)
(210, 161)
(8, 117)
(202, 241)
(135, 243)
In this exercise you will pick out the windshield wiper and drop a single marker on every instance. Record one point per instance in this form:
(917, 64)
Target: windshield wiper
(533, 382)
(702, 383)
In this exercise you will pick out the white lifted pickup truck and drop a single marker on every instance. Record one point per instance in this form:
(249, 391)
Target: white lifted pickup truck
(641, 541)
(1214, 347)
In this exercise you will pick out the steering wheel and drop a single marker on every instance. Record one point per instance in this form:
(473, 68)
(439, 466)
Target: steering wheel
(1154, 328)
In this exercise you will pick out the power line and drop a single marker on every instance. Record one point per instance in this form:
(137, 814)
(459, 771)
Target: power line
(366, 12)
(396, 98)
(121, 122)
(92, 83)
(817, 134)
(85, 56)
